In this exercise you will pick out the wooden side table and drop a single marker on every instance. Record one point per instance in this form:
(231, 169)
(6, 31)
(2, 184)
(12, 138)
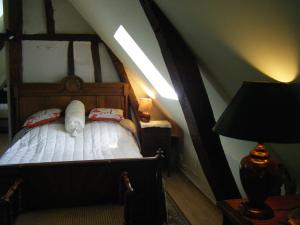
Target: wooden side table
(156, 135)
(281, 205)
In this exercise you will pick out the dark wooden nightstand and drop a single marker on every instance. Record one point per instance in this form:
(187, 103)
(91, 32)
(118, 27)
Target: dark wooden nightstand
(282, 205)
(156, 135)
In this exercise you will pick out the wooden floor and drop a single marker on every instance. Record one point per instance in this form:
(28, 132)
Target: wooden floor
(197, 208)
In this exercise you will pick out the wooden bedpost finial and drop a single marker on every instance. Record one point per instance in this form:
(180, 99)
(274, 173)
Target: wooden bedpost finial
(126, 181)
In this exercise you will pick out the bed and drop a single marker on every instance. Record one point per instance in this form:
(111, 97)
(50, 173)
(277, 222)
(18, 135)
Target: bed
(103, 165)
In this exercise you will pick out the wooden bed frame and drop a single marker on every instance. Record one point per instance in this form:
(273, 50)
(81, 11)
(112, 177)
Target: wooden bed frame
(33, 97)
(32, 186)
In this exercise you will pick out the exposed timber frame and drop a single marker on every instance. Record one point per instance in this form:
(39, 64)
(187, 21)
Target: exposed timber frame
(193, 98)
(50, 37)
(15, 26)
(96, 61)
(50, 23)
(62, 37)
(2, 43)
(71, 67)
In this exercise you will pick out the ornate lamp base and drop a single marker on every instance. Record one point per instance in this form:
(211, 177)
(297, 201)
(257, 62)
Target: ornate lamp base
(260, 178)
(145, 117)
(262, 213)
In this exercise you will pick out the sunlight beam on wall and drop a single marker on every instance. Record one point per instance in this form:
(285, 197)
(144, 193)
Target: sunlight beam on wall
(144, 64)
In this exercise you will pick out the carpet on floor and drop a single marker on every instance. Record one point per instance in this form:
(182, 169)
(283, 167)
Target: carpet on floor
(93, 215)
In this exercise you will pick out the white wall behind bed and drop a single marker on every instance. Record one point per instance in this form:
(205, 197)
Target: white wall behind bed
(46, 61)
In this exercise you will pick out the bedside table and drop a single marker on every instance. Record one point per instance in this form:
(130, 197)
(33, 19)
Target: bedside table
(154, 135)
(281, 206)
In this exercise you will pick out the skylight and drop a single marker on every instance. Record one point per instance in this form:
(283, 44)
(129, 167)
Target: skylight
(144, 64)
(1, 8)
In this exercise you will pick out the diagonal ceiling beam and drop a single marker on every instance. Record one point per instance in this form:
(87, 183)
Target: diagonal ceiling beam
(186, 78)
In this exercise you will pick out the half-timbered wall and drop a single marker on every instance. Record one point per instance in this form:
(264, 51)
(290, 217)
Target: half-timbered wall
(52, 60)
(66, 18)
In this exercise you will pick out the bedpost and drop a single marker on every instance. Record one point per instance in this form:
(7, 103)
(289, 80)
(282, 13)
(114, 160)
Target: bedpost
(125, 192)
(10, 205)
(161, 199)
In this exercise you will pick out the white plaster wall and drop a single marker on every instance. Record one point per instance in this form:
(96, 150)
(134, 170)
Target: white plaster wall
(105, 17)
(34, 18)
(83, 61)
(109, 73)
(44, 61)
(68, 20)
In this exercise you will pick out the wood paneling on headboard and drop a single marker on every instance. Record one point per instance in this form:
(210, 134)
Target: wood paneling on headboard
(33, 97)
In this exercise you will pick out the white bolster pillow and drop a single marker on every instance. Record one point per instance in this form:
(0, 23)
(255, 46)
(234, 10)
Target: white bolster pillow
(75, 117)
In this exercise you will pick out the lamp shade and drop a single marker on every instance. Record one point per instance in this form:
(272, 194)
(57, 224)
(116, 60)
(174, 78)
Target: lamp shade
(263, 112)
(145, 105)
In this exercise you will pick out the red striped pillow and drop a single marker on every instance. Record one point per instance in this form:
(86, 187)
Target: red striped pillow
(102, 114)
(42, 117)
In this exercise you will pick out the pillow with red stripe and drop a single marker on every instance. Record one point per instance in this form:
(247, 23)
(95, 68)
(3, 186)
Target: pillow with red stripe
(102, 114)
(42, 117)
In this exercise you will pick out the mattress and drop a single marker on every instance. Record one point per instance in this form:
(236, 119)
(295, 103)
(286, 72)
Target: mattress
(51, 143)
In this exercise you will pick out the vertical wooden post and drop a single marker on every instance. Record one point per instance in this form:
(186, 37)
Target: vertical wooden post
(49, 16)
(71, 67)
(96, 61)
(15, 26)
(193, 98)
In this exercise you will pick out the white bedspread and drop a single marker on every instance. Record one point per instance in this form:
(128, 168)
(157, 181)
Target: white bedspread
(51, 143)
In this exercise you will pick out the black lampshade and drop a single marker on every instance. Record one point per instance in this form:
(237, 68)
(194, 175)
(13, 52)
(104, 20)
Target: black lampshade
(263, 112)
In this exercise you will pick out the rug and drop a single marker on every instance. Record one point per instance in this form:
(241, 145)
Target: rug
(175, 216)
(93, 215)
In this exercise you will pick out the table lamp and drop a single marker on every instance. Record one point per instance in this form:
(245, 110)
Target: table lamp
(145, 105)
(264, 113)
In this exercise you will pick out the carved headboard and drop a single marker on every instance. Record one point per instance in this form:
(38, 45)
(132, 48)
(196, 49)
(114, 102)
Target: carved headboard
(32, 97)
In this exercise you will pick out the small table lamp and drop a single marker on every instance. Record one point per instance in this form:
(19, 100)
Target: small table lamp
(264, 113)
(145, 105)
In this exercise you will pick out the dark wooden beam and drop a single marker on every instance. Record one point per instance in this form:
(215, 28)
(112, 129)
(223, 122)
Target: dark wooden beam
(15, 26)
(2, 44)
(193, 98)
(96, 61)
(15, 8)
(49, 16)
(4, 36)
(50, 37)
(62, 37)
(71, 68)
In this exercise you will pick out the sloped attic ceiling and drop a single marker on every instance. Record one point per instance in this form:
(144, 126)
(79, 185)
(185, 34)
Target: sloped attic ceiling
(233, 41)
(238, 41)
(106, 17)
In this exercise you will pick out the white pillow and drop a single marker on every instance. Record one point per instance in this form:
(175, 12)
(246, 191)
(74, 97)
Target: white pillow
(75, 117)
